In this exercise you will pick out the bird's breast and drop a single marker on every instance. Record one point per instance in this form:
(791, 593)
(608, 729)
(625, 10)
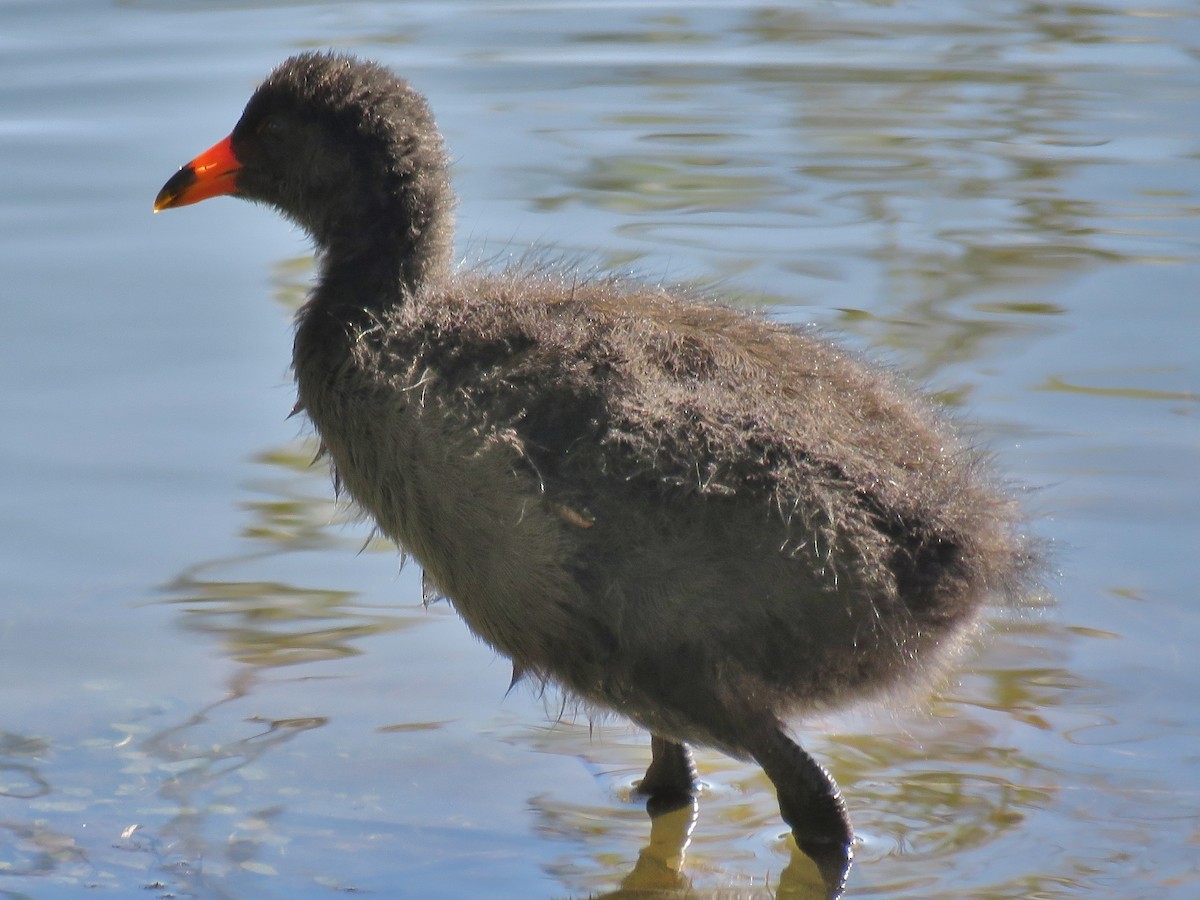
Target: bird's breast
(455, 497)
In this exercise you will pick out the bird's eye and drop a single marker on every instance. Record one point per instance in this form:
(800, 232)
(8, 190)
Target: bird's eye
(270, 127)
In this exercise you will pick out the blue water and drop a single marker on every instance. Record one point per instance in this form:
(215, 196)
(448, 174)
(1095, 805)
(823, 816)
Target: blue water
(215, 683)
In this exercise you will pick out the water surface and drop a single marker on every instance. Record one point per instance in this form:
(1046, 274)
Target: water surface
(214, 683)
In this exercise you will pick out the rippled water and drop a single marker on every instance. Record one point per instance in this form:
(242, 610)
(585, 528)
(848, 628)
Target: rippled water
(207, 690)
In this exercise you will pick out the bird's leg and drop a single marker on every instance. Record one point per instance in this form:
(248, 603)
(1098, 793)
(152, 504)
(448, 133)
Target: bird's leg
(670, 781)
(811, 805)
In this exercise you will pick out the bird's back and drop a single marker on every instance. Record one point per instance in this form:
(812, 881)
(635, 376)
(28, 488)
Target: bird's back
(621, 488)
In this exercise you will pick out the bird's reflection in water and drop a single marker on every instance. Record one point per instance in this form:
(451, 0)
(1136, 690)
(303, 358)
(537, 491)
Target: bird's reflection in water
(660, 870)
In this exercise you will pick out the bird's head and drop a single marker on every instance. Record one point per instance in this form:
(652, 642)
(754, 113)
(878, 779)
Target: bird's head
(341, 146)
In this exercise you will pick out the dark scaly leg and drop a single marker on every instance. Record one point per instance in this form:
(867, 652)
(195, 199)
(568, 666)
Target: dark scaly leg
(811, 805)
(670, 781)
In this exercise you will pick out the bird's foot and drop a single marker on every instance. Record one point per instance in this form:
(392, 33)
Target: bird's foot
(811, 803)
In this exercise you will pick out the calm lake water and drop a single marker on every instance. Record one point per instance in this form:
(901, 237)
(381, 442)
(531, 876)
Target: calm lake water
(214, 684)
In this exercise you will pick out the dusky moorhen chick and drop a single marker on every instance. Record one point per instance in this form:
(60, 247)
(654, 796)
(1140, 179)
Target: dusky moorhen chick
(695, 517)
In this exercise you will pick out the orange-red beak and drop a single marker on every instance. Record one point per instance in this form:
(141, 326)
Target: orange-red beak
(211, 174)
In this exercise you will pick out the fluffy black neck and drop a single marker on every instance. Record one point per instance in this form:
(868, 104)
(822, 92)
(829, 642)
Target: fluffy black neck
(376, 259)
